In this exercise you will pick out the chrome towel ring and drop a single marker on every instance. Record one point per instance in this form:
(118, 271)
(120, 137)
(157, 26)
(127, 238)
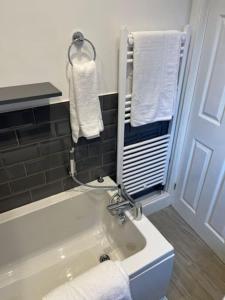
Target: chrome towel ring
(78, 40)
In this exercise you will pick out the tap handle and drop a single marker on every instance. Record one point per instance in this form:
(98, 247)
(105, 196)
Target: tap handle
(126, 195)
(138, 211)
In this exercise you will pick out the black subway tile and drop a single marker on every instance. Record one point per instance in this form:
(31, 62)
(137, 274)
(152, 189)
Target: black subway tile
(110, 101)
(88, 163)
(109, 132)
(51, 112)
(62, 128)
(95, 149)
(84, 141)
(27, 183)
(10, 173)
(4, 190)
(48, 162)
(20, 154)
(36, 133)
(81, 152)
(102, 147)
(109, 169)
(16, 118)
(57, 145)
(16, 171)
(14, 201)
(57, 173)
(3, 176)
(109, 157)
(46, 190)
(109, 145)
(8, 139)
(109, 117)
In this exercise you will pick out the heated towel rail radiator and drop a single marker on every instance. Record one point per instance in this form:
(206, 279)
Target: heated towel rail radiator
(143, 165)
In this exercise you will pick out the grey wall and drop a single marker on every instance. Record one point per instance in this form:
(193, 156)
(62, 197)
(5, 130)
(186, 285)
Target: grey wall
(34, 146)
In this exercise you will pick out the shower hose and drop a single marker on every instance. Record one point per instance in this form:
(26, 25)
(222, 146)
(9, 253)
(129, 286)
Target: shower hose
(73, 176)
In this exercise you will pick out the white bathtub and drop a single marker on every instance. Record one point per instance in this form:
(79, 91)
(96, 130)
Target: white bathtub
(46, 243)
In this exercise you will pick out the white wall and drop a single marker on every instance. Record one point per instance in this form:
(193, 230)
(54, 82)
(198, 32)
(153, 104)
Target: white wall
(35, 34)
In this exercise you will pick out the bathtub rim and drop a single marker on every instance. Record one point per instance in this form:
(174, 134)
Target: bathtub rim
(156, 248)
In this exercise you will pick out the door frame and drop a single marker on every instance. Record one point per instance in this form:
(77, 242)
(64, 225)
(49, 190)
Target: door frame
(198, 22)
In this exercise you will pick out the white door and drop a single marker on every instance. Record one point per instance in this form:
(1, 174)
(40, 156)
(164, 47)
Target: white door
(200, 193)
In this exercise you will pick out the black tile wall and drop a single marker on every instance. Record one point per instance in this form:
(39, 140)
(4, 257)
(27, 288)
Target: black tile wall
(19, 154)
(8, 139)
(46, 190)
(14, 201)
(51, 113)
(16, 118)
(56, 145)
(25, 183)
(4, 190)
(34, 147)
(10, 173)
(45, 163)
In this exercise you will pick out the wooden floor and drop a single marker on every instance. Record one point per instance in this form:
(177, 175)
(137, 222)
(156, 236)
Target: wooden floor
(198, 273)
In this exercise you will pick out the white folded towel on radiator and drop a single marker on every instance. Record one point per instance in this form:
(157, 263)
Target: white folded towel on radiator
(107, 281)
(156, 62)
(85, 112)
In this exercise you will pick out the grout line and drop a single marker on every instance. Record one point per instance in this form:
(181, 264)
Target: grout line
(10, 187)
(45, 177)
(25, 168)
(35, 121)
(31, 198)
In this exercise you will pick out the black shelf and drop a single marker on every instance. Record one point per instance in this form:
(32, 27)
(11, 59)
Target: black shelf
(28, 92)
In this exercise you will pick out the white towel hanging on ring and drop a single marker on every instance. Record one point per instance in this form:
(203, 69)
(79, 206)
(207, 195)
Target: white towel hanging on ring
(85, 112)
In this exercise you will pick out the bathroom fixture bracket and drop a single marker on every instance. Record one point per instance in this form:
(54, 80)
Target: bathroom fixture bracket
(100, 179)
(78, 40)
